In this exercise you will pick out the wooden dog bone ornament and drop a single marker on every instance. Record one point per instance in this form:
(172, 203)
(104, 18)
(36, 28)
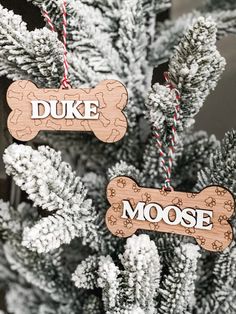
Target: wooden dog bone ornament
(96, 109)
(203, 215)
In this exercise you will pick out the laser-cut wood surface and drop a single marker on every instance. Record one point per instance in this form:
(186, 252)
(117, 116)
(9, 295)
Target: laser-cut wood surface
(110, 127)
(214, 198)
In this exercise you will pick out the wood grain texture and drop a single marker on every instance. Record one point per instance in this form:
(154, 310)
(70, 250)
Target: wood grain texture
(213, 198)
(110, 127)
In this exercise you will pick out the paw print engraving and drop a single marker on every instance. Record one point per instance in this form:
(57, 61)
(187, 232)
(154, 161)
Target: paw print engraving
(229, 206)
(142, 211)
(146, 197)
(121, 183)
(112, 192)
(202, 240)
(190, 230)
(220, 191)
(177, 201)
(228, 235)
(120, 233)
(128, 224)
(117, 207)
(136, 188)
(164, 192)
(154, 226)
(217, 245)
(112, 220)
(223, 220)
(210, 202)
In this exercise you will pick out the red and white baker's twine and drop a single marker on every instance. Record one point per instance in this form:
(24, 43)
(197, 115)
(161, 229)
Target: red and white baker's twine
(166, 160)
(65, 80)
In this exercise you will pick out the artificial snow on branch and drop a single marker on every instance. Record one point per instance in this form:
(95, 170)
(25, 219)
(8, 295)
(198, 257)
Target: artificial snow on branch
(85, 34)
(45, 272)
(51, 184)
(141, 274)
(162, 273)
(222, 165)
(218, 295)
(132, 44)
(196, 66)
(54, 10)
(194, 69)
(177, 290)
(169, 33)
(220, 5)
(123, 169)
(108, 281)
(35, 56)
(92, 305)
(137, 283)
(192, 157)
(22, 300)
(9, 220)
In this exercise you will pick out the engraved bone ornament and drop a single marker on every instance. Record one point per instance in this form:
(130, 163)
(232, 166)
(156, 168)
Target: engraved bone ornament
(203, 216)
(97, 110)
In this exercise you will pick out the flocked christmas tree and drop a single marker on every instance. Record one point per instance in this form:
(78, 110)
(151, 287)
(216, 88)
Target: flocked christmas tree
(56, 254)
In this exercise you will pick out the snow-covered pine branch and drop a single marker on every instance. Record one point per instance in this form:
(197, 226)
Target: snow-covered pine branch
(81, 73)
(219, 295)
(169, 33)
(21, 299)
(51, 184)
(42, 271)
(46, 272)
(222, 165)
(191, 157)
(134, 287)
(160, 5)
(108, 281)
(7, 276)
(13, 220)
(177, 289)
(36, 55)
(132, 44)
(101, 58)
(9, 220)
(141, 274)
(104, 15)
(88, 36)
(54, 10)
(109, 9)
(123, 169)
(92, 305)
(85, 275)
(114, 39)
(212, 5)
(195, 68)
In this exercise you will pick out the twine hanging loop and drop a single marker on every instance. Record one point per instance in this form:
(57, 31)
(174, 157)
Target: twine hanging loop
(65, 83)
(166, 160)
